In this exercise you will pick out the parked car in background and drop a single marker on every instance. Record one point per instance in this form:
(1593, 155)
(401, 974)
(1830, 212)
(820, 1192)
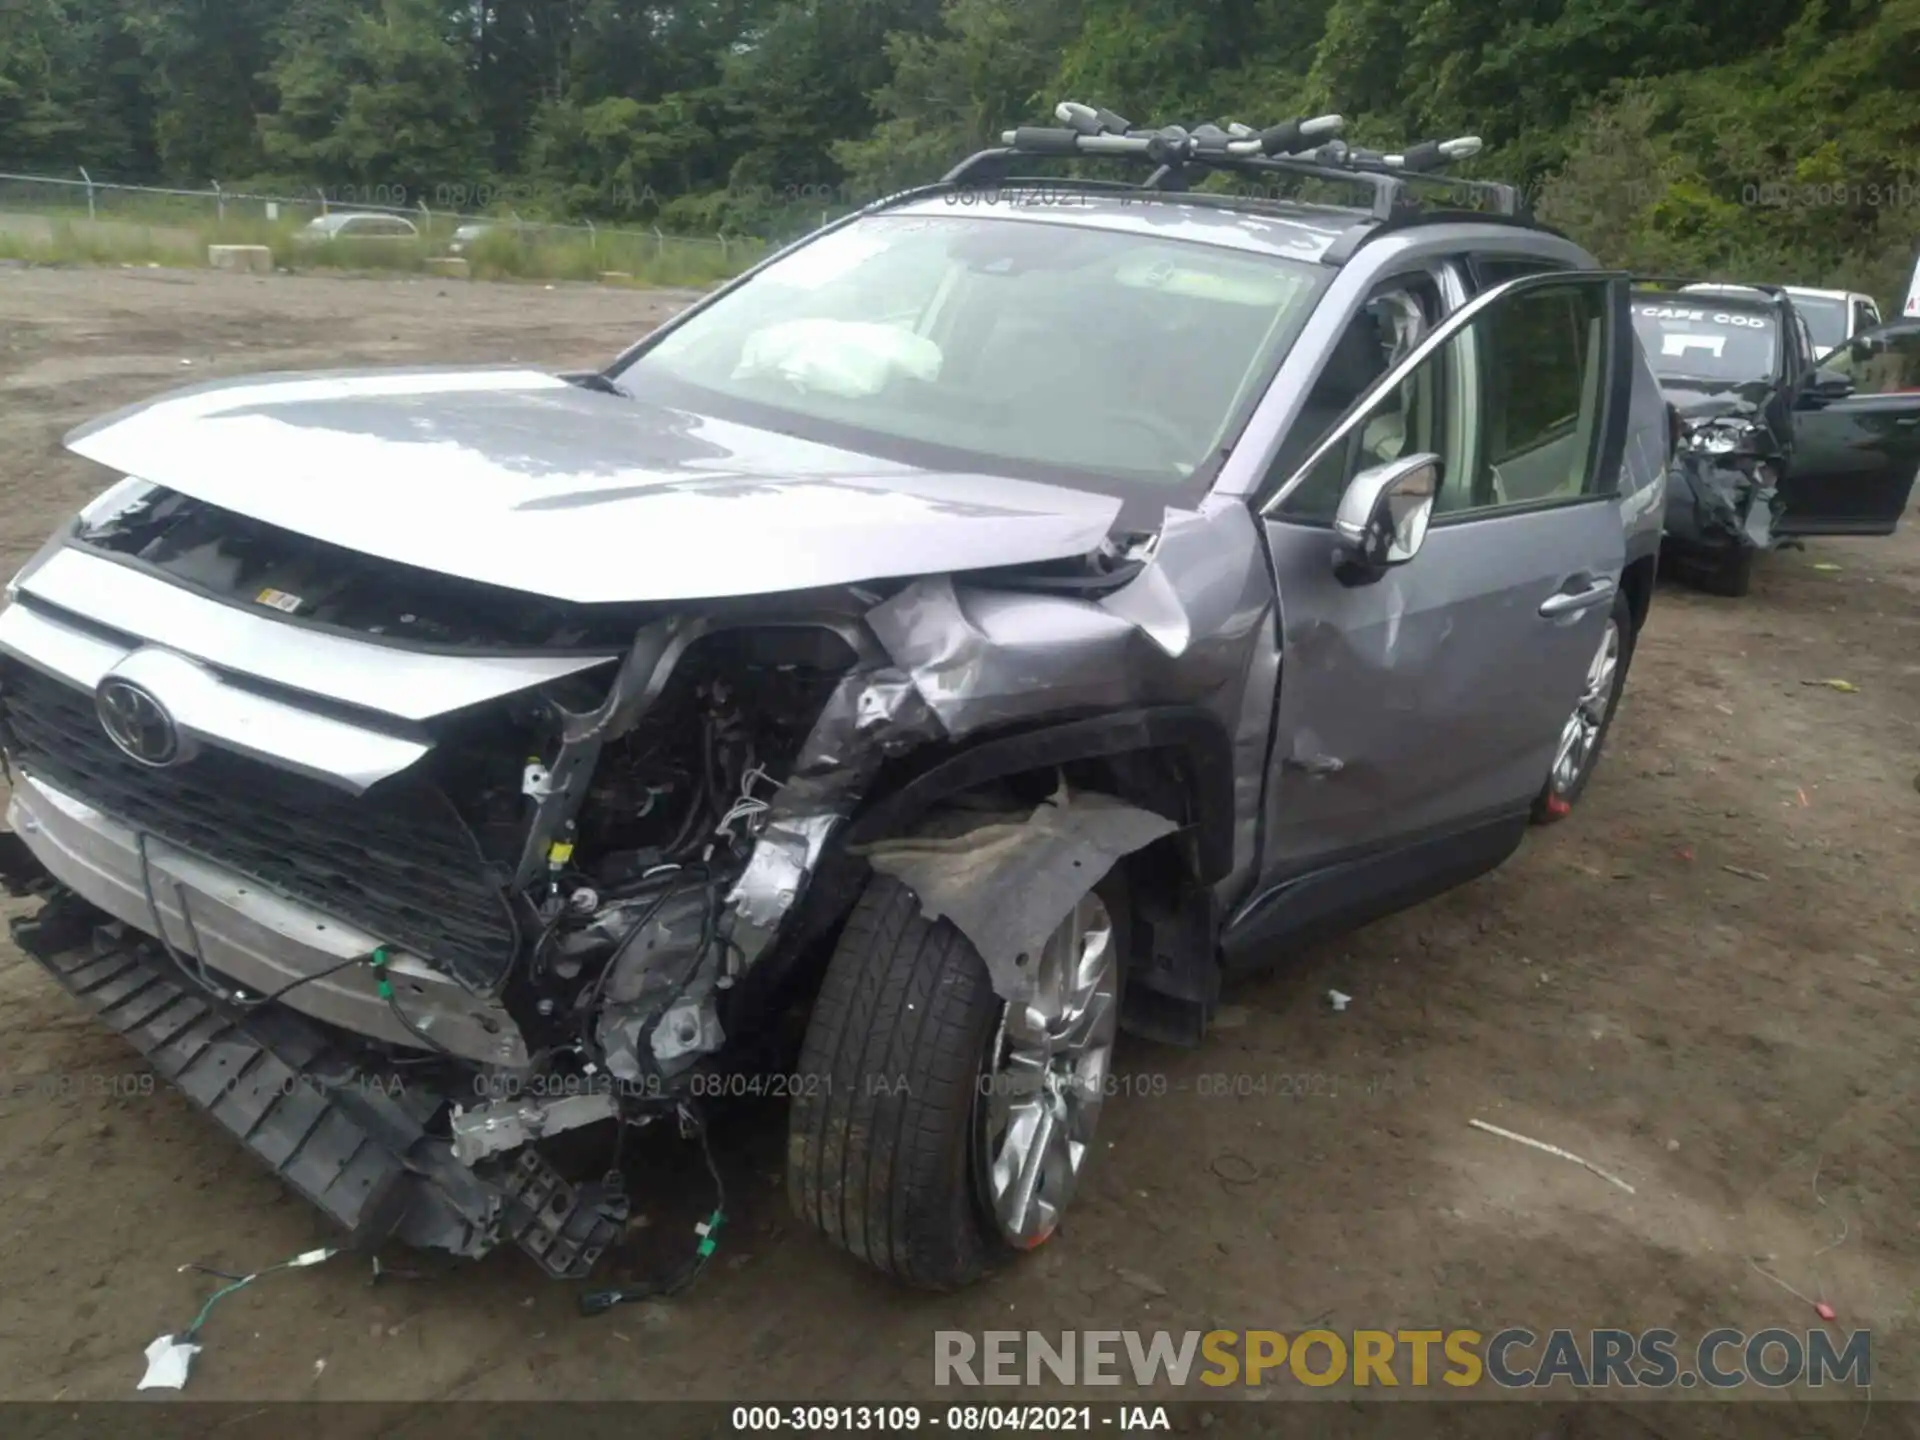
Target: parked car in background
(1771, 446)
(1834, 316)
(359, 228)
(464, 237)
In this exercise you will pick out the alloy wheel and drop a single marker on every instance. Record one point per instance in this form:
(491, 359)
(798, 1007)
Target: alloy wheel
(1046, 1077)
(1580, 737)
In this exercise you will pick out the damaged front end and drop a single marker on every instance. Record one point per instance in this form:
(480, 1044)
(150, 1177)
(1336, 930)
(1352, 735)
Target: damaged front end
(415, 876)
(1723, 497)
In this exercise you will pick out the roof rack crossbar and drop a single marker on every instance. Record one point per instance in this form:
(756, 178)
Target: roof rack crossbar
(1304, 147)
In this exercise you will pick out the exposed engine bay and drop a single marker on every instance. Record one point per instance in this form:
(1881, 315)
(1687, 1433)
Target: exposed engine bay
(630, 910)
(502, 875)
(615, 846)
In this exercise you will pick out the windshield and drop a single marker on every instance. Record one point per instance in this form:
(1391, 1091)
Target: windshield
(1705, 342)
(1826, 321)
(1033, 348)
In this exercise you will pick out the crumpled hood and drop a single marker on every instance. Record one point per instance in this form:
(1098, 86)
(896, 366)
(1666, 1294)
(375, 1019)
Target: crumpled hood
(517, 478)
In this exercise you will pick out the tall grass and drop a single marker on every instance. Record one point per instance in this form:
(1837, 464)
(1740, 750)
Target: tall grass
(512, 251)
(39, 240)
(49, 236)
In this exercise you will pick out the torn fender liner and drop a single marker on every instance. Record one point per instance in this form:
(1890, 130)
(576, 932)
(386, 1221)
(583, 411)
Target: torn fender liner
(1007, 886)
(1714, 502)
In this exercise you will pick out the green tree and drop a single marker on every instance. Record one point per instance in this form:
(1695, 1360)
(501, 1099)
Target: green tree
(953, 91)
(202, 61)
(61, 105)
(623, 157)
(382, 99)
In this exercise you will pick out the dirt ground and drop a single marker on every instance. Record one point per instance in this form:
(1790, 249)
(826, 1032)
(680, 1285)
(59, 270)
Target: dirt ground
(1703, 982)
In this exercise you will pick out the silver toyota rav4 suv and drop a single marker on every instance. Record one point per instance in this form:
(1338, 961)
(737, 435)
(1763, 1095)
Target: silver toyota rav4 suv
(978, 629)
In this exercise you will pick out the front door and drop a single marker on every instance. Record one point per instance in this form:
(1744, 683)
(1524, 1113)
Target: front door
(1420, 712)
(1856, 437)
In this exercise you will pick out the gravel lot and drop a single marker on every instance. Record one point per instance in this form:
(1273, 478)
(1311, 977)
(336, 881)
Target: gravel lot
(1704, 982)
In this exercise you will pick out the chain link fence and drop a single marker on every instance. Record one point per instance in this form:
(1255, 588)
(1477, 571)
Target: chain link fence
(80, 218)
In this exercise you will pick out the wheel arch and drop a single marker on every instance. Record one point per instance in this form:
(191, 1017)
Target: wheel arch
(1176, 760)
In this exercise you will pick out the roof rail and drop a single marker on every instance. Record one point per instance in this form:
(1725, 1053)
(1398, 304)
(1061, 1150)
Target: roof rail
(1351, 239)
(1307, 148)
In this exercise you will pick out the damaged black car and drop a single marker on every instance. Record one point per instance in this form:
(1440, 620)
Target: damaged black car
(1773, 441)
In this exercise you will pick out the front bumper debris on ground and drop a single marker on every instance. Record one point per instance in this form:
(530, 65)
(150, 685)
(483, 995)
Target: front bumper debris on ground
(352, 1141)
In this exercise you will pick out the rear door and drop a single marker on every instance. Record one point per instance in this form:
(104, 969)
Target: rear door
(1420, 713)
(1856, 450)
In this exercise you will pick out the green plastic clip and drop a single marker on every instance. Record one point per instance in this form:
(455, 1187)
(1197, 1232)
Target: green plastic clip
(379, 962)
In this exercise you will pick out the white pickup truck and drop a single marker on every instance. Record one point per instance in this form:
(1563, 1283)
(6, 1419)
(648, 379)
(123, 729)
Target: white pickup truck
(1835, 316)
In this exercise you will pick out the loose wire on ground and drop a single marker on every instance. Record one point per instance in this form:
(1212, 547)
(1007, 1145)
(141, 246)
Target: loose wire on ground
(240, 1282)
(598, 1302)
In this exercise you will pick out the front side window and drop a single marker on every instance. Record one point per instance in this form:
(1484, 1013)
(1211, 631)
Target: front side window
(1383, 333)
(1052, 349)
(1512, 404)
(1686, 340)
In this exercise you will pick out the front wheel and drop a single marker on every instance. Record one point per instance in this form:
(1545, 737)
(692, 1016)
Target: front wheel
(936, 1128)
(1577, 754)
(1731, 575)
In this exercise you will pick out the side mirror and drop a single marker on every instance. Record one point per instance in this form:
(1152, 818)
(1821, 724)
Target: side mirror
(1824, 385)
(1382, 519)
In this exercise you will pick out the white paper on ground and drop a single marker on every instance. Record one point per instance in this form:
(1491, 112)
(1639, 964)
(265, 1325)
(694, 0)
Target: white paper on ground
(167, 1362)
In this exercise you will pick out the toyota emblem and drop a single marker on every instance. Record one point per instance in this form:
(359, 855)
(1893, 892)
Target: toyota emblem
(136, 722)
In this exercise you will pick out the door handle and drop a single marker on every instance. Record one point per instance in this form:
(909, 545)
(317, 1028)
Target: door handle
(1566, 602)
(1314, 764)
(1907, 422)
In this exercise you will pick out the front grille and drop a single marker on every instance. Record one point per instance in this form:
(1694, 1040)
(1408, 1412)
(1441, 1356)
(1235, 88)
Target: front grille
(398, 861)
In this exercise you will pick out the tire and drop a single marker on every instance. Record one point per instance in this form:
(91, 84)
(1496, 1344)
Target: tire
(1560, 795)
(883, 1152)
(1732, 576)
